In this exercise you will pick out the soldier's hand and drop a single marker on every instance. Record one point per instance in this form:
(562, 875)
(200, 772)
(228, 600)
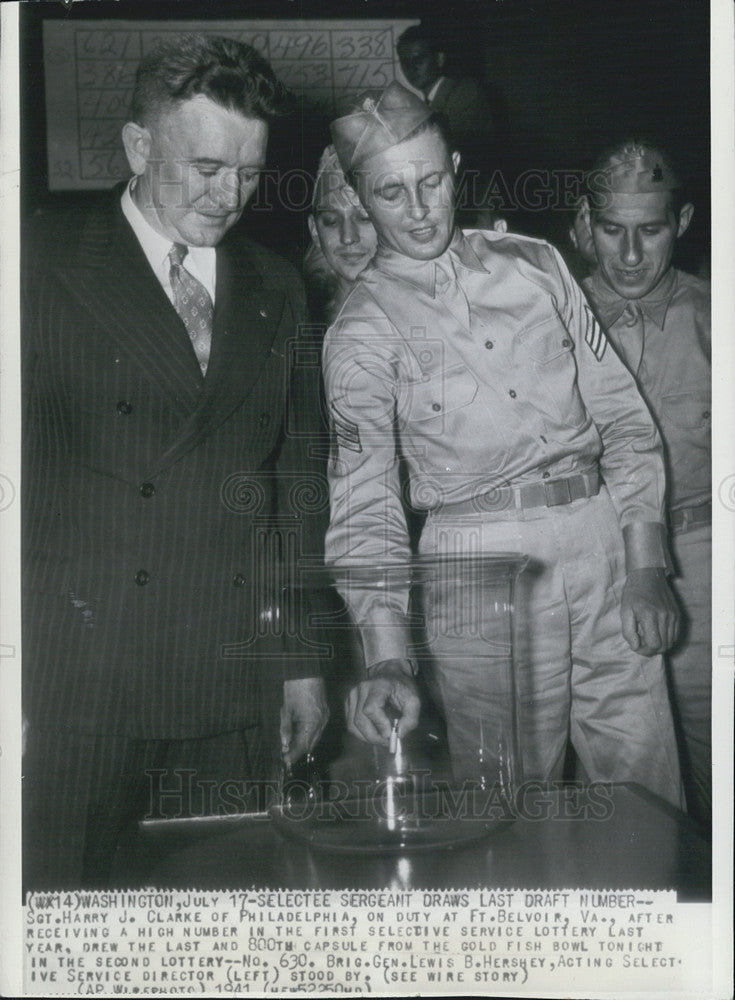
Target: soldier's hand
(390, 692)
(649, 612)
(304, 715)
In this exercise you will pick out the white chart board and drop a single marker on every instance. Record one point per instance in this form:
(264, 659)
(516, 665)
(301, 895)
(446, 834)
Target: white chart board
(90, 69)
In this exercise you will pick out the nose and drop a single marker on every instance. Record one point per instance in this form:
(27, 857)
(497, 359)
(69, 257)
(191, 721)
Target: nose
(348, 233)
(416, 207)
(632, 253)
(226, 193)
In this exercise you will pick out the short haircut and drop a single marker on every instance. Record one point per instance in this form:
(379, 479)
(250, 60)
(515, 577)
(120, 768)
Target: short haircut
(628, 147)
(229, 73)
(418, 33)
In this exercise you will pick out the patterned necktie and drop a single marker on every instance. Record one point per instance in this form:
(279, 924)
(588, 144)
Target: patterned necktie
(449, 290)
(634, 337)
(193, 304)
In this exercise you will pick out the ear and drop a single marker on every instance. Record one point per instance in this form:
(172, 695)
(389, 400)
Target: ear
(583, 213)
(312, 229)
(685, 217)
(137, 142)
(455, 160)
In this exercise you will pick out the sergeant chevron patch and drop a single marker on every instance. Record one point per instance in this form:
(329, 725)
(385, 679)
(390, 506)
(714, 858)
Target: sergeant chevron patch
(593, 335)
(345, 431)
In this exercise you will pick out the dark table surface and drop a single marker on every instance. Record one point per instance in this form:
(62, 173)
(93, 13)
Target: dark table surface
(562, 838)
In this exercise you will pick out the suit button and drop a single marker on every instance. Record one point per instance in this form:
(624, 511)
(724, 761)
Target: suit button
(263, 419)
(436, 406)
(124, 407)
(489, 345)
(706, 415)
(545, 475)
(238, 580)
(142, 578)
(147, 490)
(566, 343)
(512, 393)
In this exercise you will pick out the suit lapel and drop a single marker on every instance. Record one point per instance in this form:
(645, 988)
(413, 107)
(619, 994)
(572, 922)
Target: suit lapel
(246, 319)
(110, 275)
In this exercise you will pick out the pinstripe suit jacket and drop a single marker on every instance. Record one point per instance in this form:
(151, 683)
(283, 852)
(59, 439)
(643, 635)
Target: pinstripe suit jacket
(147, 490)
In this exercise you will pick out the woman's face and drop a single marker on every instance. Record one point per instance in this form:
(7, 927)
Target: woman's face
(344, 232)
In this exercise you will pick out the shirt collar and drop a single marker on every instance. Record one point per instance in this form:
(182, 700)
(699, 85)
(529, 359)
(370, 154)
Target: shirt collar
(156, 246)
(655, 305)
(422, 273)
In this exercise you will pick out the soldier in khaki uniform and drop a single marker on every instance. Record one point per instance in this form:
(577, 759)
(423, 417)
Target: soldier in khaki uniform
(477, 361)
(658, 319)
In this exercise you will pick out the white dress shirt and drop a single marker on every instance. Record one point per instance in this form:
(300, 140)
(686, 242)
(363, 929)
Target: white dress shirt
(200, 262)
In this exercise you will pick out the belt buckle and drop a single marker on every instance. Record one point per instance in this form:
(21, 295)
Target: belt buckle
(557, 492)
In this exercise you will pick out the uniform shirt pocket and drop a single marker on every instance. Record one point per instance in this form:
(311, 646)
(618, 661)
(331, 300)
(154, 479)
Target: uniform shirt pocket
(550, 349)
(436, 395)
(689, 409)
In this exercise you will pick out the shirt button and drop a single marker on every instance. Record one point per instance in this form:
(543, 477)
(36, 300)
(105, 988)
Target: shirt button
(142, 578)
(489, 345)
(436, 406)
(512, 393)
(238, 580)
(545, 475)
(147, 490)
(706, 415)
(263, 419)
(124, 407)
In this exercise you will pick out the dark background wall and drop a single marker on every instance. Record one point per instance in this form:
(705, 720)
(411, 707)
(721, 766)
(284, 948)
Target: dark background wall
(565, 77)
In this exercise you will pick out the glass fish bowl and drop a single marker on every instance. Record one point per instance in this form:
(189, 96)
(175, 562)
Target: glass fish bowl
(454, 778)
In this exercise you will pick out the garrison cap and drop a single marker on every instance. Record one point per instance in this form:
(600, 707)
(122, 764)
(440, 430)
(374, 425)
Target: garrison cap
(330, 179)
(380, 122)
(636, 169)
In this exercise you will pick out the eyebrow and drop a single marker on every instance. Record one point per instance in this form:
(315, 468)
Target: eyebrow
(389, 186)
(211, 162)
(393, 185)
(605, 220)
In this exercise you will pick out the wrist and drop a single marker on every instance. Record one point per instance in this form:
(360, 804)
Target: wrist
(402, 669)
(645, 546)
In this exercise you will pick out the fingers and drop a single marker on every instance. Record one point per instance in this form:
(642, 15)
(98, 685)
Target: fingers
(366, 712)
(367, 709)
(630, 626)
(303, 737)
(304, 715)
(649, 632)
(409, 706)
(657, 629)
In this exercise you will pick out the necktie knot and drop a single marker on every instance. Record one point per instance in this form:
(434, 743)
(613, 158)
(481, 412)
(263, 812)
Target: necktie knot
(177, 253)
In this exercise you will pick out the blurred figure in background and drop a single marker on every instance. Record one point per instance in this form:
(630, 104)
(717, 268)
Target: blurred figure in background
(465, 108)
(343, 240)
(658, 319)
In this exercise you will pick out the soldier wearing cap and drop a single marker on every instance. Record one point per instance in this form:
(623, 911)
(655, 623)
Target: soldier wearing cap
(658, 319)
(477, 361)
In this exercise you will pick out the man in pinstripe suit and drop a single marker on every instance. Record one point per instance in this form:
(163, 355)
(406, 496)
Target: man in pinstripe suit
(157, 455)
